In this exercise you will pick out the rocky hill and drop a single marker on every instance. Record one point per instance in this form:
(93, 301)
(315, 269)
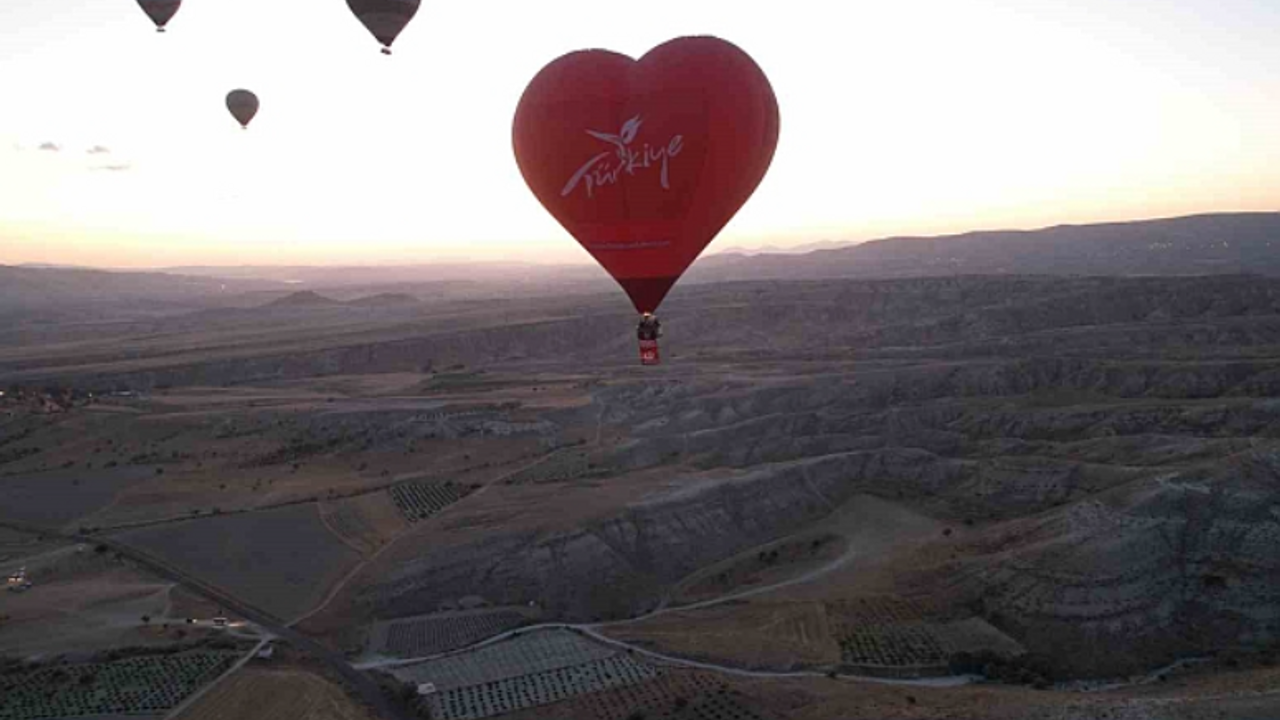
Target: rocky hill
(1111, 448)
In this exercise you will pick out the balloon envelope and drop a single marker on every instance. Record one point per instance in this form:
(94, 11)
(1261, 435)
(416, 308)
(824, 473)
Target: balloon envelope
(644, 162)
(160, 11)
(384, 18)
(243, 106)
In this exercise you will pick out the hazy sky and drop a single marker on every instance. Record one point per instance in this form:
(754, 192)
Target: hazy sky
(916, 116)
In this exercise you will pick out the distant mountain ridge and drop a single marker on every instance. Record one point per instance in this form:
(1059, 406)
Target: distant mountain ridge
(60, 286)
(307, 299)
(1214, 244)
(775, 250)
(304, 299)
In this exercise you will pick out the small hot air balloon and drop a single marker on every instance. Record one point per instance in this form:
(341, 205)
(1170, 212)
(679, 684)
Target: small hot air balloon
(384, 18)
(160, 11)
(645, 161)
(243, 106)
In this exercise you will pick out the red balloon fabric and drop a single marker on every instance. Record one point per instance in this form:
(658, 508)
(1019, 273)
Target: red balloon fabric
(644, 162)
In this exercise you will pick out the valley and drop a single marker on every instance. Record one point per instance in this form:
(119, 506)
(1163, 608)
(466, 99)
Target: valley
(984, 493)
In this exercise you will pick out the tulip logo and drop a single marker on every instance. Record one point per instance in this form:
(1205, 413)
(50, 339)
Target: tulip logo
(600, 171)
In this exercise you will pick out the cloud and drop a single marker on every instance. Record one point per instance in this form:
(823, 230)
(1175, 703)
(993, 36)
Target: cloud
(99, 150)
(119, 167)
(51, 147)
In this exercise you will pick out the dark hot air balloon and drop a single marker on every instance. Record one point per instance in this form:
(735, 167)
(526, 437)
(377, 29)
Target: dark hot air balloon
(243, 106)
(160, 11)
(384, 18)
(645, 161)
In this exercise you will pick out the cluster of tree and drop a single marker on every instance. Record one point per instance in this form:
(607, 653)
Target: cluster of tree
(1028, 669)
(50, 398)
(402, 694)
(210, 643)
(17, 666)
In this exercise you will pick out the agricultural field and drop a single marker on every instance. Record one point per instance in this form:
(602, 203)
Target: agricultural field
(538, 668)
(84, 601)
(885, 632)
(567, 465)
(138, 685)
(282, 560)
(56, 498)
(14, 546)
(766, 635)
(359, 524)
(872, 610)
(764, 566)
(975, 635)
(533, 652)
(346, 522)
(893, 645)
(672, 695)
(419, 501)
(418, 637)
(258, 693)
(539, 688)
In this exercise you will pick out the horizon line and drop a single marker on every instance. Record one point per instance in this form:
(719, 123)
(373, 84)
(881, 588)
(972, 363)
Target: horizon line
(588, 261)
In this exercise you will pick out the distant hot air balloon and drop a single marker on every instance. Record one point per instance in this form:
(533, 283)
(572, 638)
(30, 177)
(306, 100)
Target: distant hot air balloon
(243, 106)
(384, 18)
(644, 162)
(160, 11)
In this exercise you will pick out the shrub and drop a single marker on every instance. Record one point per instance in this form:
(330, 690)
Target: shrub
(1030, 669)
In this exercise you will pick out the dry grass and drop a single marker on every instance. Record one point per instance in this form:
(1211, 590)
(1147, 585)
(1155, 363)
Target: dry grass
(282, 560)
(366, 522)
(86, 612)
(270, 694)
(760, 567)
(1252, 694)
(765, 634)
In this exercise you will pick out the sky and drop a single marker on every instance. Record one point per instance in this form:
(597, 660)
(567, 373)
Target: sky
(910, 117)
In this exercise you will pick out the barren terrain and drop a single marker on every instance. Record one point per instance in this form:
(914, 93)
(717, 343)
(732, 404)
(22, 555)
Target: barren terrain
(1041, 481)
(265, 693)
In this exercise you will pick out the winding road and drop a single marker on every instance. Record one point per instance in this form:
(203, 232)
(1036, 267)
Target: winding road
(592, 630)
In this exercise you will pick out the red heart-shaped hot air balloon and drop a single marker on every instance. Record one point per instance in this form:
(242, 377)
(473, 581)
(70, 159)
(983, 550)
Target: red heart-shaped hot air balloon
(645, 161)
